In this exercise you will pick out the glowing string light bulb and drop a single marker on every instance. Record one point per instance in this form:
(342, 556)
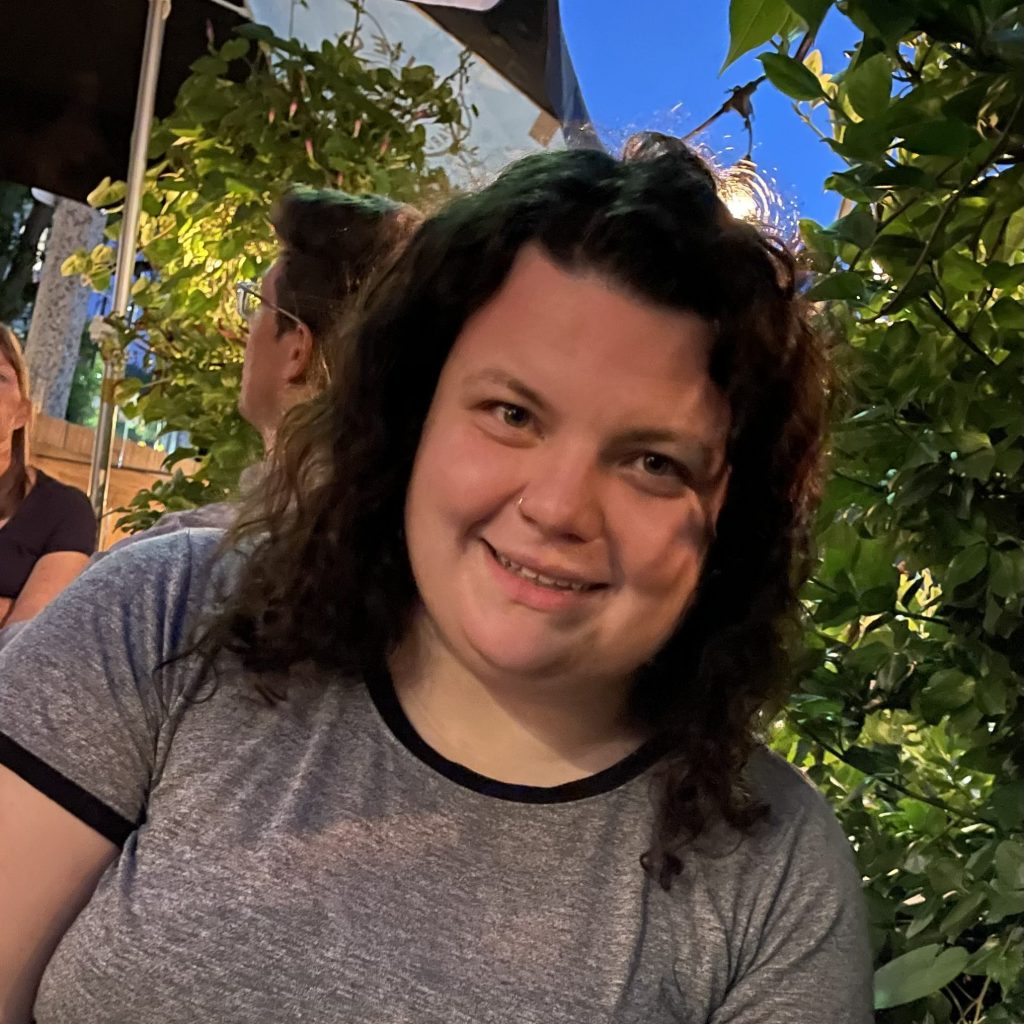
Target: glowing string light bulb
(747, 195)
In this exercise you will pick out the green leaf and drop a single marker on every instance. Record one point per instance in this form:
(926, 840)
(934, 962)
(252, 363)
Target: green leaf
(1009, 314)
(917, 974)
(850, 185)
(106, 193)
(252, 30)
(1007, 801)
(965, 912)
(923, 817)
(1009, 863)
(963, 273)
(847, 284)
(965, 566)
(940, 138)
(791, 77)
(869, 84)
(209, 65)
(751, 23)
(866, 141)
(879, 761)
(901, 176)
(991, 693)
(1006, 904)
(857, 227)
(1002, 275)
(882, 19)
(1013, 235)
(946, 690)
(812, 11)
(234, 48)
(1007, 573)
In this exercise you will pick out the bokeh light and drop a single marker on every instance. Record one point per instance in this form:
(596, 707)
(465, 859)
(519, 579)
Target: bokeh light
(752, 195)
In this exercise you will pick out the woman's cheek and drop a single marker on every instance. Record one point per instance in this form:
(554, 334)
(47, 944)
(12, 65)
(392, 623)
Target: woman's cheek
(473, 470)
(661, 543)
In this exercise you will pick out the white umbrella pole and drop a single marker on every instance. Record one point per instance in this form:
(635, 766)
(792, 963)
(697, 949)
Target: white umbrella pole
(113, 365)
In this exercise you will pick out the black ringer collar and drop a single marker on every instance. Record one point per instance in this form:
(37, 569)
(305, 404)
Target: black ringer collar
(382, 692)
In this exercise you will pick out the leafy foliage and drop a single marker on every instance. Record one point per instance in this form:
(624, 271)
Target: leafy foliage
(85, 384)
(254, 117)
(910, 716)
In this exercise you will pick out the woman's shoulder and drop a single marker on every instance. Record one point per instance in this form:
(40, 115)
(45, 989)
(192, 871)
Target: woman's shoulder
(42, 481)
(796, 808)
(190, 564)
(799, 828)
(191, 551)
(54, 490)
(60, 516)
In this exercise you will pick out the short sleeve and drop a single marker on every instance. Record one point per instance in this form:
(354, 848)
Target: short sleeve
(74, 523)
(85, 705)
(217, 516)
(807, 956)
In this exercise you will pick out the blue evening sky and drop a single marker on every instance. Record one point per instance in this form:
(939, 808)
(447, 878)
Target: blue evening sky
(654, 64)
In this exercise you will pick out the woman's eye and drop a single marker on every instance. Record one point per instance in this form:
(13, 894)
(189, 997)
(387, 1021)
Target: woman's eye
(512, 415)
(660, 465)
(662, 472)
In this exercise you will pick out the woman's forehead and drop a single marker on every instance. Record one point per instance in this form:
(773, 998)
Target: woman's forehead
(578, 337)
(540, 291)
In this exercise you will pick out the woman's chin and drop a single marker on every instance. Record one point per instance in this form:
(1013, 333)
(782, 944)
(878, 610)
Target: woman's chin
(507, 652)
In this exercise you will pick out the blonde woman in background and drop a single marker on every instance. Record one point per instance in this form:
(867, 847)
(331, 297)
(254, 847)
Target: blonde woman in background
(47, 529)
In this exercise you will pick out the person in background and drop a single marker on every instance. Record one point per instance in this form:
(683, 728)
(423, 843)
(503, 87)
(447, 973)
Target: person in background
(47, 529)
(331, 244)
(461, 723)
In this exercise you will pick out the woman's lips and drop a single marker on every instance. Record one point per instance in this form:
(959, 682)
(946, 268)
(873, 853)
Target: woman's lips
(539, 584)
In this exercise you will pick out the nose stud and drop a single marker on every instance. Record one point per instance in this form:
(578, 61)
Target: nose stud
(519, 503)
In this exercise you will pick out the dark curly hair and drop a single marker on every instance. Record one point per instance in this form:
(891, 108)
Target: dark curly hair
(327, 579)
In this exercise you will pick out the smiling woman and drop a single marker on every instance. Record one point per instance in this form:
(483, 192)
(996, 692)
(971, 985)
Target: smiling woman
(568, 413)
(460, 726)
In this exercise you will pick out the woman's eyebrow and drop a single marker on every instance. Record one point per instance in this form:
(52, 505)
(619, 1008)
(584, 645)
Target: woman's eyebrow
(703, 456)
(513, 384)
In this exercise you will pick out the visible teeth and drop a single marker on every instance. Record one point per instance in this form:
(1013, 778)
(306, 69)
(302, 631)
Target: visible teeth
(538, 578)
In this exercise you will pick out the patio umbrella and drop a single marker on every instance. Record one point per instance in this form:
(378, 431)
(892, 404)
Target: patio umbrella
(524, 41)
(67, 86)
(69, 81)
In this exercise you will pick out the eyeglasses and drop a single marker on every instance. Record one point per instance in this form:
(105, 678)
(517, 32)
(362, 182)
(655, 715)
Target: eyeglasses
(248, 298)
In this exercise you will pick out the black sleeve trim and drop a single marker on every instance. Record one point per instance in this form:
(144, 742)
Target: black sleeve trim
(61, 790)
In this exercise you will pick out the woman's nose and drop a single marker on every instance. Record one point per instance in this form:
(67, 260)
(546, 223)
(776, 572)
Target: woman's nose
(562, 496)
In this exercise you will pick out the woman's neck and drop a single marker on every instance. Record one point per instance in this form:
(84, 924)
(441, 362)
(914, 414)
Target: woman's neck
(518, 731)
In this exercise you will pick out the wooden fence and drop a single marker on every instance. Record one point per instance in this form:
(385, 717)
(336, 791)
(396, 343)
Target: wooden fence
(64, 450)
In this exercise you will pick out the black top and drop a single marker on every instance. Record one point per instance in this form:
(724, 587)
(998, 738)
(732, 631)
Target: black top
(53, 517)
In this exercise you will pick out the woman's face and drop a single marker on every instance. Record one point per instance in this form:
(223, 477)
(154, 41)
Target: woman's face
(568, 479)
(14, 408)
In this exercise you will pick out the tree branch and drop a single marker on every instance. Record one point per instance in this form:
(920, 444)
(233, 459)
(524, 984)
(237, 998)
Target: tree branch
(898, 786)
(739, 100)
(853, 480)
(959, 332)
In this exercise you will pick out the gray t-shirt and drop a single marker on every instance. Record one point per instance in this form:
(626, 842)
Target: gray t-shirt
(316, 861)
(218, 515)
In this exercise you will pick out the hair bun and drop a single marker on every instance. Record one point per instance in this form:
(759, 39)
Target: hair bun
(650, 145)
